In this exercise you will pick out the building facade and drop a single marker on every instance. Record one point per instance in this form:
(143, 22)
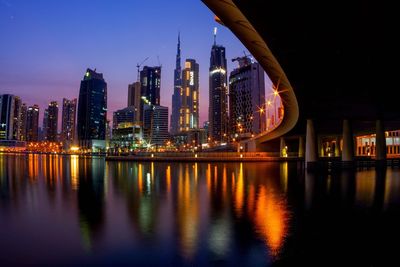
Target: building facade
(156, 125)
(68, 121)
(52, 122)
(189, 110)
(176, 96)
(218, 95)
(22, 124)
(150, 82)
(7, 103)
(32, 124)
(247, 98)
(134, 98)
(92, 111)
(17, 118)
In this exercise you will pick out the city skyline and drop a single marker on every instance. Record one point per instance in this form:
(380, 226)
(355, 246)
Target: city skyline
(35, 74)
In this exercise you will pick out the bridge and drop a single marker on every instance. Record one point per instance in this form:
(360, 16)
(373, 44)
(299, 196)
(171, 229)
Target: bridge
(332, 64)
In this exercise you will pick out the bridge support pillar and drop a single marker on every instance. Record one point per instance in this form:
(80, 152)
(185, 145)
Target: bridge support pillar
(380, 144)
(337, 147)
(301, 147)
(348, 144)
(282, 150)
(311, 146)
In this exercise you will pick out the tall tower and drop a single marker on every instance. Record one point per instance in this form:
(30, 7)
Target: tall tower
(218, 94)
(22, 124)
(6, 116)
(92, 111)
(176, 96)
(17, 118)
(32, 123)
(68, 121)
(189, 111)
(52, 122)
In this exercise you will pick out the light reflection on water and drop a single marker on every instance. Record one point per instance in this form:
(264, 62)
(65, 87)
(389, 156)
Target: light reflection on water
(87, 210)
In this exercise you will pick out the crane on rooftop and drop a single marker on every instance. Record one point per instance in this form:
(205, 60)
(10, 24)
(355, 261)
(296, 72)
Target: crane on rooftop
(138, 66)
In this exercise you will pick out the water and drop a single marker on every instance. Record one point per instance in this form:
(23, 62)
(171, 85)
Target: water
(77, 211)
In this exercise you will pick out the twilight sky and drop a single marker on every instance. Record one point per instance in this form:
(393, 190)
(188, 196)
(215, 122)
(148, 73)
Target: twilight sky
(46, 46)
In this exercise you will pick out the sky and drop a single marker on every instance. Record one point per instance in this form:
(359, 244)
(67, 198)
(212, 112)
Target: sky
(47, 45)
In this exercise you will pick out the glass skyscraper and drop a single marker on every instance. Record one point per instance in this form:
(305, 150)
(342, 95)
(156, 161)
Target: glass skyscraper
(92, 111)
(189, 111)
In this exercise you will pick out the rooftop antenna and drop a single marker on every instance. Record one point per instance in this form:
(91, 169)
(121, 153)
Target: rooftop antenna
(215, 35)
(138, 66)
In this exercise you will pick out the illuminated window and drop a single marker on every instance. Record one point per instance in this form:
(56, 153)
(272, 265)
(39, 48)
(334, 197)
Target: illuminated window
(194, 95)
(187, 91)
(188, 65)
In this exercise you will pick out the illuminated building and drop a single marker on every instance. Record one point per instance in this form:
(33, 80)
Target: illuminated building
(218, 94)
(150, 81)
(189, 111)
(366, 144)
(92, 111)
(17, 118)
(176, 97)
(50, 122)
(32, 123)
(22, 124)
(6, 116)
(156, 124)
(68, 124)
(246, 98)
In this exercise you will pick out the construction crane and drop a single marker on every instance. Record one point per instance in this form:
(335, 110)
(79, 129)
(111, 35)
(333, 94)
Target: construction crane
(138, 66)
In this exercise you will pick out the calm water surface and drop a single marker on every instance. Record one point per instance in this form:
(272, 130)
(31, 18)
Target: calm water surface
(77, 211)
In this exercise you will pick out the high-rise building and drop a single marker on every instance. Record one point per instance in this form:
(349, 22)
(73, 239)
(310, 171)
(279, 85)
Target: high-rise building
(32, 123)
(68, 121)
(50, 129)
(150, 81)
(43, 130)
(124, 116)
(218, 94)
(22, 124)
(17, 118)
(134, 98)
(156, 124)
(92, 111)
(176, 96)
(247, 98)
(7, 103)
(189, 111)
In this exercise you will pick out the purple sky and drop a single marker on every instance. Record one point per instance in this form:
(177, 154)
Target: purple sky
(46, 46)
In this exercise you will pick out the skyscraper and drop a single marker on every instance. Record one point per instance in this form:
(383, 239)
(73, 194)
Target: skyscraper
(22, 124)
(68, 121)
(51, 127)
(218, 94)
(176, 96)
(32, 123)
(134, 98)
(150, 80)
(247, 98)
(17, 118)
(92, 111)
(43, 132)
(6, 116)
(189, 111)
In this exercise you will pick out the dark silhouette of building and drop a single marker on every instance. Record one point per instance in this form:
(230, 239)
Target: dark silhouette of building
(176, 96)
(7, 103)
(17, 118)
(92, 111)
(189, 111)
(150, 81)
(32, 124)
(68, 127)
(218, 94)
(134, 98)
(22, 124)
(50, 122)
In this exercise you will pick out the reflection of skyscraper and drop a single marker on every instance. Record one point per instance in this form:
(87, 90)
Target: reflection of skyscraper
(32, 123)
(6, 116)
(218, 109)
(247, 98)
(189, 111)
(92, 111)
(68, 120)
(52, 122)
(176, 97)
